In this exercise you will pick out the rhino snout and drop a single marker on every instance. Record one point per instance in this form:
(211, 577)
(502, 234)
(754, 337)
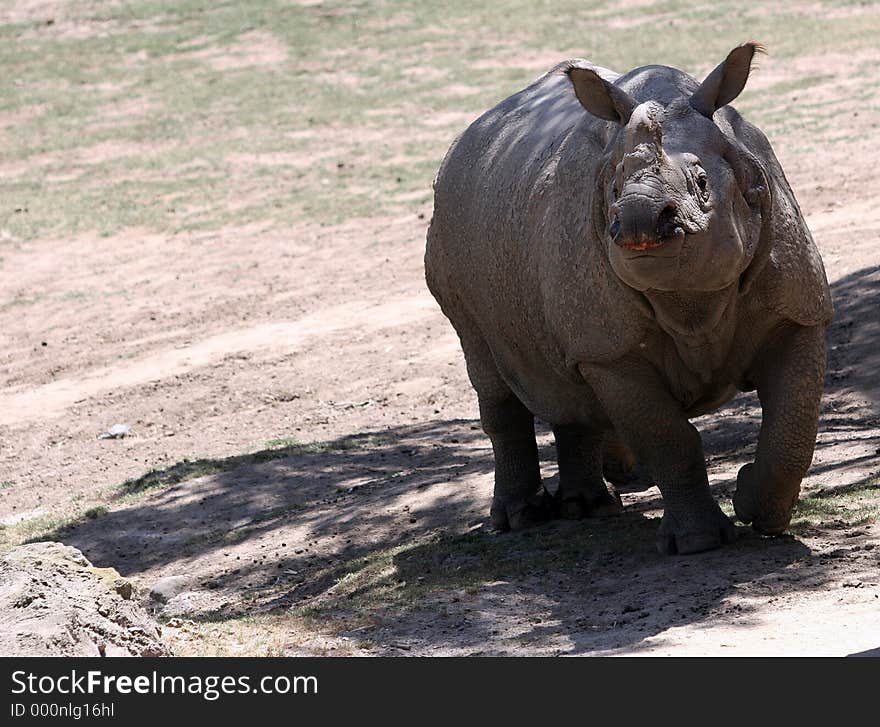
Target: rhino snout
(642, 225)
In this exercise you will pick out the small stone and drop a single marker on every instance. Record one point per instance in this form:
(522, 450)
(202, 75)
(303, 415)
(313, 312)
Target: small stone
(123, 588)
(117, 431)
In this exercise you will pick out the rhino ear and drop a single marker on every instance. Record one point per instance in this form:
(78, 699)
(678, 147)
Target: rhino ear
(599, 97)
(727, 80)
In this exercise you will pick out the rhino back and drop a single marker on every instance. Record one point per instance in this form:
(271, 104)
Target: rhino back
(511, 247)
(483, 189)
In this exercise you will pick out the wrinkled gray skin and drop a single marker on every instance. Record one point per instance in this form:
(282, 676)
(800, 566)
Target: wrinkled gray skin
(619, 254)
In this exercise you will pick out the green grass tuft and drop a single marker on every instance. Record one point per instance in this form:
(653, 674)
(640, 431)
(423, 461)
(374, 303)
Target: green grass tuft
(834, 508)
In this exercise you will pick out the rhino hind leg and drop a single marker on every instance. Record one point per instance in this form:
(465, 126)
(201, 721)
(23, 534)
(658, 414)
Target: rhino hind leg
(582, 489)
(519, 500)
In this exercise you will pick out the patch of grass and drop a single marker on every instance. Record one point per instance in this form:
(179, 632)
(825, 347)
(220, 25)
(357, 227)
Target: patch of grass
(293, 446)
(404, 574)
(275, 449)
(47, 527)
(276, 634)
(31, 530)
(282, 443)
(93, 513)
(21, 300)
(847, 507)
(6, 484)
(147, 86)
(180, 472)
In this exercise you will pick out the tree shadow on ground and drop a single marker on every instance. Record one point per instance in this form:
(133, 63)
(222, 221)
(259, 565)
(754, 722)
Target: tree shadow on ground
(384, 533)
(848, 444)
(870, 652)
(201, 506)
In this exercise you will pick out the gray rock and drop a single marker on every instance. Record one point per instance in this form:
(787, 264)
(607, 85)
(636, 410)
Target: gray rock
(168, 587)
(53, 602)
(191, 603)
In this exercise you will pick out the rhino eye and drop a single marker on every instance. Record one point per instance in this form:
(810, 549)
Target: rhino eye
(702, 182)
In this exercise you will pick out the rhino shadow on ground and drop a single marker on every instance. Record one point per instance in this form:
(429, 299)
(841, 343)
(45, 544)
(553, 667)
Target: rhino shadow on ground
(588, 587)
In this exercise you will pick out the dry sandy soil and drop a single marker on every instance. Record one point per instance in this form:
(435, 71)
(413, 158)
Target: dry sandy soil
(305, 448)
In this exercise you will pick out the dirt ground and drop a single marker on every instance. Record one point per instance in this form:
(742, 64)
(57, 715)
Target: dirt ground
(304, 442)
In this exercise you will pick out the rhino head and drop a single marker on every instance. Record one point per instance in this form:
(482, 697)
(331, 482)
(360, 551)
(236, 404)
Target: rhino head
(680, 204)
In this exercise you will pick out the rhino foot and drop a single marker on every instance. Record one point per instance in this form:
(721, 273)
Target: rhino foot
(769, 515)
(692, 532)
(580, 506)
(522, 514)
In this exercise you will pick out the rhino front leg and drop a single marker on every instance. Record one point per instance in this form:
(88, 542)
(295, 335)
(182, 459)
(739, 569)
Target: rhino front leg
(655, 427)
(582, 489)
(789, 377)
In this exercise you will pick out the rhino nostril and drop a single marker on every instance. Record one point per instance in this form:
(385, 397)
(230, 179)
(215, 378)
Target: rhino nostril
(668, 222)
(614, 228)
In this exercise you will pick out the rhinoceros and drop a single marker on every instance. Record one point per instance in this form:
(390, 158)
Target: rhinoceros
(619, 254)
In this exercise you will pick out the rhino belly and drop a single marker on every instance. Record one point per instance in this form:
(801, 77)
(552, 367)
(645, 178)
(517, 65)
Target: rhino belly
(542, 383)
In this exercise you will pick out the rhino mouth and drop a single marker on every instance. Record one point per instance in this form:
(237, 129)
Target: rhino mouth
(653, 246)
(642, 245)
(666, 231)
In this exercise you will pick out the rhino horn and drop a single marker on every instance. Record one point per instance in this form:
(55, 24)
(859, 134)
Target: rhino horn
(644, 130)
